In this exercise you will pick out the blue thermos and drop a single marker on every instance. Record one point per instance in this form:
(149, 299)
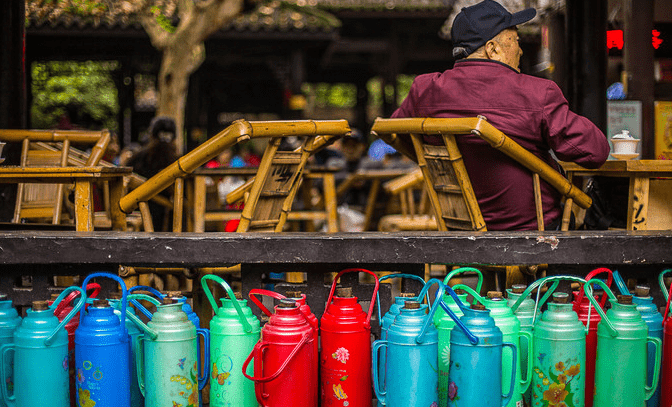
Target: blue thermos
(103, 353)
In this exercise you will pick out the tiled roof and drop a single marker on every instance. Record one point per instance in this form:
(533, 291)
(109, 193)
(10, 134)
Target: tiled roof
(272, 16)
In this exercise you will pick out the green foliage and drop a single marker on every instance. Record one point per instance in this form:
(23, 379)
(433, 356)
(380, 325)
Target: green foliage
(85, 91)
(162, 20)
(344, 95)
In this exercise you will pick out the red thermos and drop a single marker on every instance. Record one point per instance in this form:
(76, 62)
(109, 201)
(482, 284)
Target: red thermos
(284, 359)
(345, 354)
(666, 378)
(305, 309)
(583, 308)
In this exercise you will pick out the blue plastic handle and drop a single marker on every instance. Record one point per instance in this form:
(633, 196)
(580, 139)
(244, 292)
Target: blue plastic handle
(620, 284)
(472, 338)
(206, 356)
(124, 297)
(397, 275)
(139, 306)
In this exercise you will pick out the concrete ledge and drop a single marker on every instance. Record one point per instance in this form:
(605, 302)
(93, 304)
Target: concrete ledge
(220, 249)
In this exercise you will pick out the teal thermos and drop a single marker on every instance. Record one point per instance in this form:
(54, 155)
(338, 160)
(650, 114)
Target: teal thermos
(234, 330)
(9, 321)
(40, 357)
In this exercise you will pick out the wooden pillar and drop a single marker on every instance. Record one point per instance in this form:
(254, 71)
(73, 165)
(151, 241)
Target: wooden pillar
(587, 43)
(555, 22)
(361, 109)
(13, 78)
(638, 63)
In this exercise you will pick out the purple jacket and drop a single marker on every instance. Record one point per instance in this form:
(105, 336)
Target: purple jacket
(532, 111)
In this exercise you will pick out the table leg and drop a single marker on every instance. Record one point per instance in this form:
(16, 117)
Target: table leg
(371, 203)
(638, 203)
(199, 203)
(116, 191)
(83, 205)
(330, 204)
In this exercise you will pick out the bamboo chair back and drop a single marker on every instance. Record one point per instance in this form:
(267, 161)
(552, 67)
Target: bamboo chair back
(46, 201)
(450, 191)
(276, 183)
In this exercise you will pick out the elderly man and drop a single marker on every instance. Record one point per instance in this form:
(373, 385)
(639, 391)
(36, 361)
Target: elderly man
(486, 80)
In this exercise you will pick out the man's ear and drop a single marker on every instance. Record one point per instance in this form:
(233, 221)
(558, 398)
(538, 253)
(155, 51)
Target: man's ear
(491, 50)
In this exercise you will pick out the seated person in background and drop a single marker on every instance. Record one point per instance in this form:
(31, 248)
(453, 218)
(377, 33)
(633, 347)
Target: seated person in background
(486, 80)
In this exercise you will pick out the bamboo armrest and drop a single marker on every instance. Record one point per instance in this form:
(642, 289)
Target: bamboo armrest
(398, 184)
(386, 128)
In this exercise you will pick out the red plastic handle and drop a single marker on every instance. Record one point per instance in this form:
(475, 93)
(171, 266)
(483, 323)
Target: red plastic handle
(60, 308)
(667, 307)
(373, 298)
(590, 276)
(257, 355)
(258, 291)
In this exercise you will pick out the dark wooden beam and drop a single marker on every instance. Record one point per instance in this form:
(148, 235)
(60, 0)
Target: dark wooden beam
(219, 249)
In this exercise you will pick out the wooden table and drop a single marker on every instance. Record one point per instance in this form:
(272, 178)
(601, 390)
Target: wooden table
(198, 191)
(83, 178)
(376, 177)
(650, 191)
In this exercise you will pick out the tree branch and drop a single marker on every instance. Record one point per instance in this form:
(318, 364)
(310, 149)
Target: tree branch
(186, 8)
(157, 35)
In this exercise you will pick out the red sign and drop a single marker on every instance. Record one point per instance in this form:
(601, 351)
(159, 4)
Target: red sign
(615, 39)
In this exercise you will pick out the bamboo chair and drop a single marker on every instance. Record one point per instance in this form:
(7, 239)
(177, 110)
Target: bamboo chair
(447, 182)
(46, 201)
(414, 216)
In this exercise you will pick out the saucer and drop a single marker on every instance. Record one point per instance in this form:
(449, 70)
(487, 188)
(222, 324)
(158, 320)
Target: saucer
(629, 156)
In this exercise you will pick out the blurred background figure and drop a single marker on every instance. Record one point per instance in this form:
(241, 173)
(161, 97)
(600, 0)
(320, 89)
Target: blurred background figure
(157, 154)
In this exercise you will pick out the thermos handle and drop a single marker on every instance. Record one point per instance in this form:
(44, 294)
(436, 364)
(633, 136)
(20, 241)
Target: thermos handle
(470, 291)
(667, 306)
(506, 398)
(620, 284)
(149, 289)
(9, 399)
(525, 383)
(268, 293)
(588, 288)
(49, 339)
(438, 302)
(425, 290)
(650, 390)
(381, 394)
(373, 297)
(61, 307)
(124, 298)
(257, 356)
(133, 318)
(258, 351)
(463, 270)
(590, 276)
(398, 275)
(538, 284)
(473, 339)
(232, 297)
(661, 282)
(140, 363)
(203, 379)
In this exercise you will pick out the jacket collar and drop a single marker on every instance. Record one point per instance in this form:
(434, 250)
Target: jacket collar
(479, 61)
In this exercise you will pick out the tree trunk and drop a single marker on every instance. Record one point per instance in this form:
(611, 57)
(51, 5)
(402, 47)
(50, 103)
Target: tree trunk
(179, 61)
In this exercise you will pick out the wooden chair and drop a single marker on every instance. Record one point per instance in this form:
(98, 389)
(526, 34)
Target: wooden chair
(446, 178)
(46, 201)
(447, 181)
(414, 216)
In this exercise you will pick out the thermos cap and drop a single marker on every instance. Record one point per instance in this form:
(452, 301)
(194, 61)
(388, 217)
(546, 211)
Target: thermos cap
(412, 305)
(168, 301)
(54, 296)
(624, 299)
(518, 288)
(40, 305)
(561, 298)
(495, 295)
(287, 303)
(174, 294)
(293, 294)
(238, 295)
(460, 291)
(642, 291)
(478, 307)
(344, 292)
(407, 295)
(100, 304)
(115, 296)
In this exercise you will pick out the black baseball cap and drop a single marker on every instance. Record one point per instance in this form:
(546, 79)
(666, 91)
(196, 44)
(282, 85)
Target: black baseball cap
(475, 25)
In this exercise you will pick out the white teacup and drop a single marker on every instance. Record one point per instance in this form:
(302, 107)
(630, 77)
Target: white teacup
(624, 143)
